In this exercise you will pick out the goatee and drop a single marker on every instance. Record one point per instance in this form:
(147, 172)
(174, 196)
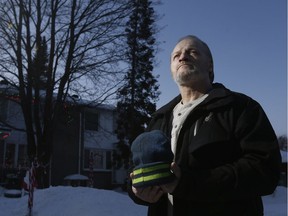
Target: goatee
(186, 76)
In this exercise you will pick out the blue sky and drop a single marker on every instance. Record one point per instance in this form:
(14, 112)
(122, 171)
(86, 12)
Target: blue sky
(248, 40)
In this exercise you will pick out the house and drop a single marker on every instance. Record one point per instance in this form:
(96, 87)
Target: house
(83, 143)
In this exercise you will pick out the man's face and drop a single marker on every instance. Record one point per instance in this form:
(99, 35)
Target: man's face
(190, 63)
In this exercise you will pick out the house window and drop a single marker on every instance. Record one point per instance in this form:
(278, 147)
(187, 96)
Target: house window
(10, 155)
(115, 122)
(97, 159)
(22, 159)
(3, 108)
(91, 121)
(2, 153)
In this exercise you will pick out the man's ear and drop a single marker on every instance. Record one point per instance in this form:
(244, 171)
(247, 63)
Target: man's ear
(211, 73)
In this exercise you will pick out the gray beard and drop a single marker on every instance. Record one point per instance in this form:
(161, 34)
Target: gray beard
(187, 77)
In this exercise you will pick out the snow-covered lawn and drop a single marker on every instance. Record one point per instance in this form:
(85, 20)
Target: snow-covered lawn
(75, 201)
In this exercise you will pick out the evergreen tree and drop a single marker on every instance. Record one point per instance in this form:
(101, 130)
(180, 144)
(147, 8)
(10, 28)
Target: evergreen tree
(138, 96)
(39, 64)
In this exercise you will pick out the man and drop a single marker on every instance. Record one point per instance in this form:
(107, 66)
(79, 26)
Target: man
(226, 154)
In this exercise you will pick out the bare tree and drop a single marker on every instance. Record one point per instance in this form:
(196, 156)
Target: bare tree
(282, 140)
(84, 41)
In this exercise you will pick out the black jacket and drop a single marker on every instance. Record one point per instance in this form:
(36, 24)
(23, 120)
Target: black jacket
(228, 154)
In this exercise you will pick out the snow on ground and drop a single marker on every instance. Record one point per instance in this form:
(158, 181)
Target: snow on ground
(75, 201)
(276, 203)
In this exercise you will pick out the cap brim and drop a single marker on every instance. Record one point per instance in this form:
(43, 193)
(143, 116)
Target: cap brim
(152, 174)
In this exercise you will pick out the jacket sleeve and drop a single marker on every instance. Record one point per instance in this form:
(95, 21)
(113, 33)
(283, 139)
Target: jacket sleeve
(254, 173)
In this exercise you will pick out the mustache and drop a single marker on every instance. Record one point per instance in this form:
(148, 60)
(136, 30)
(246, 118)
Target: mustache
(186, 63)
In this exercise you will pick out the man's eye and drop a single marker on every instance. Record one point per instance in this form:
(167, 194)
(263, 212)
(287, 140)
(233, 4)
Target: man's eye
(194, 52)
(176, 56)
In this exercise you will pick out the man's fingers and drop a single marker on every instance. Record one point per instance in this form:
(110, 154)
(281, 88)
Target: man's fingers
(175, 169)
(149, 194)
(131, 175)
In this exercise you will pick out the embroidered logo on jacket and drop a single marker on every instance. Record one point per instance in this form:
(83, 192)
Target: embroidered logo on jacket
(207, 118)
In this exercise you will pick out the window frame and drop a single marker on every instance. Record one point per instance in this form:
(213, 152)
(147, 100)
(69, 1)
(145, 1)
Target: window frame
(105, 159)
(90, 123)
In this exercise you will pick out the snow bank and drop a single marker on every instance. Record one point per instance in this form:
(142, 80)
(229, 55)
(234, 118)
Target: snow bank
(84, 201)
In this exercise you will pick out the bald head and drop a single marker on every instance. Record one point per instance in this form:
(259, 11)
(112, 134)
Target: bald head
(206, 50)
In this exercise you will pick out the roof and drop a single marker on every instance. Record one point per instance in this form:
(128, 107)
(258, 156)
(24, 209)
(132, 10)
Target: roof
(73, 99)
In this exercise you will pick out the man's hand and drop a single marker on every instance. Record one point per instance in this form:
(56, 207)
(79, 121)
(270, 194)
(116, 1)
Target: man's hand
(152, 194)
(149, 194)
(169, 188)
